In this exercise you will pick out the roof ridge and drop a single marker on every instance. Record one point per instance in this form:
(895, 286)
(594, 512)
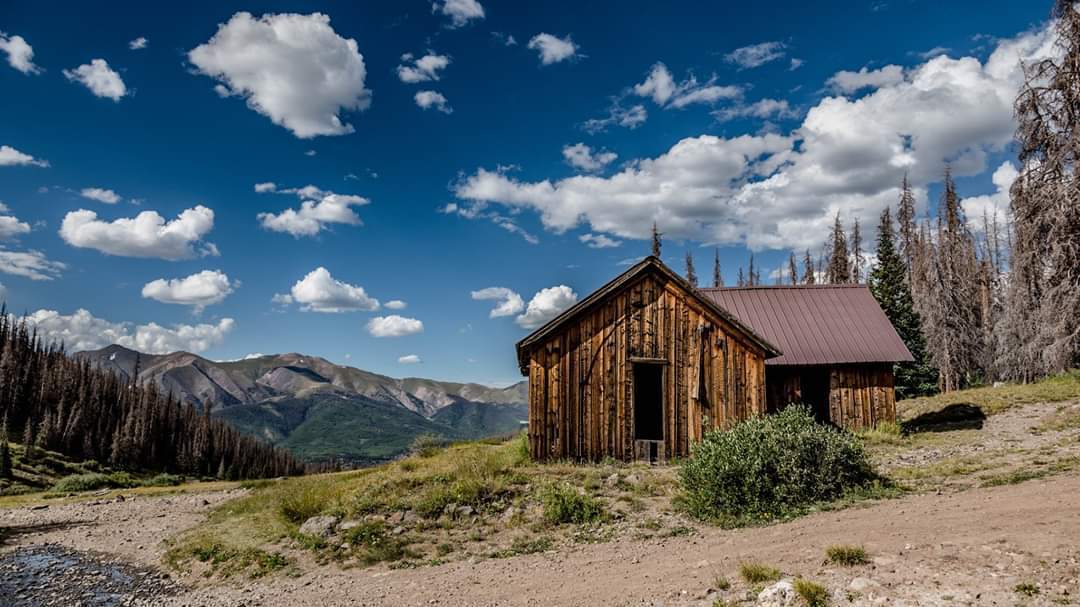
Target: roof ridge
(780, 287)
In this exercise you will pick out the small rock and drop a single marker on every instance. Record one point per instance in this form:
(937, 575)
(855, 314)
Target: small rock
(409, 517)
(319, 526)
(40, 507)
(613, 479)
(863, 585)
(398, 530)
(780, 594)
(464, 512)
(347, 525)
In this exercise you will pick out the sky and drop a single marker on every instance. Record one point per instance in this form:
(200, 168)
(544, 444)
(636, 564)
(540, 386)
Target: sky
(412, 187)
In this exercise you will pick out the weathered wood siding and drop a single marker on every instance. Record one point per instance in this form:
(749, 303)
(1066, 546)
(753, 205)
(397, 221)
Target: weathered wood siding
(581, 378)
(859, 395)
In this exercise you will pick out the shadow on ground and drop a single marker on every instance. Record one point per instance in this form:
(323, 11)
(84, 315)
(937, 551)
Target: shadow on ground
(958, 416)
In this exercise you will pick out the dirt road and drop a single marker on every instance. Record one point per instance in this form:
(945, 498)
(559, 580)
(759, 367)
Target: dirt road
(969, 548)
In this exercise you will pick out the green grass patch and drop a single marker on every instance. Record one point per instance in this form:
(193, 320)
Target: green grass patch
(848, 556)
(758, 573)
(524, 545)
(76, 483)
(812, 593)
(1026, 589)
(1065, 386)
(226, 561)
(564, 504)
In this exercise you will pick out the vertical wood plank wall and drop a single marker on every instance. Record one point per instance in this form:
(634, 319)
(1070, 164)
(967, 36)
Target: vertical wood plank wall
(860, 395)
(581, 378)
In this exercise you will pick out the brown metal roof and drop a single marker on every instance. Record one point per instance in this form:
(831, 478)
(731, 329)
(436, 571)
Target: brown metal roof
(816, 324)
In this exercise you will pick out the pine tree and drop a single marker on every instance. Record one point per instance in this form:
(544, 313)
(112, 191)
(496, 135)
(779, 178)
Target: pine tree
(808, 277)
(717, 277)
(793, 270)
(857, 258)
(1045, 260)
(742, 278)
(888, 283)
(751, 275)
(5, 451)
(655, 241)
(908, 232)
(691, 275)
(837, 270)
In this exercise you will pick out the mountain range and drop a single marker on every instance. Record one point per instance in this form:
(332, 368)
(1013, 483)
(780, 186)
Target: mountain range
(320, 410)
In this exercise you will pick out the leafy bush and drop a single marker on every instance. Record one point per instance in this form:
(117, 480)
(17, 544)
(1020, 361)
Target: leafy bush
(164, 480)
(89, 482)
(563, 504)
(772, 466)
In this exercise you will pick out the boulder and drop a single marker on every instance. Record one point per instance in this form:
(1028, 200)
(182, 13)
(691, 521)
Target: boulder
(347, 525)
(780, 594)
(319, 526)
(863, 585)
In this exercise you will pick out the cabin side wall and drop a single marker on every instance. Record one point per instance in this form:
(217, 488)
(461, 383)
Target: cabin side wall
(581, 379)
(859, 396)
(862, 396)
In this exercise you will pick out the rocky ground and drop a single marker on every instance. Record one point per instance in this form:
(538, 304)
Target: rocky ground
(977, 540)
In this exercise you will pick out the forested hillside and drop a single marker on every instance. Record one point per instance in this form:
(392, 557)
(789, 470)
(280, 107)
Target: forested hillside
(61, 404)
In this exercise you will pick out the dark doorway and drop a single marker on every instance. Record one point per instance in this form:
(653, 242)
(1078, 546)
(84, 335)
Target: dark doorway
(648, 401)
(814, 383)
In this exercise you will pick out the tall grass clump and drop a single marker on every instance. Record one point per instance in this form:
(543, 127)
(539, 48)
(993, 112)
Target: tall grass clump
(563, 504)
(771, 467)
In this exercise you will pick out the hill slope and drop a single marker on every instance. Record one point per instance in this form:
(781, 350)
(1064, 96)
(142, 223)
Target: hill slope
(321, 410)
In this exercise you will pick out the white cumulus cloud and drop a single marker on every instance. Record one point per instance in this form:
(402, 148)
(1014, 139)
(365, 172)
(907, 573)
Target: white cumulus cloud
(318, 209)
(145, 235)
(395, 304)
(662, 88)
(321, 292)
(409, 359)
(83, 331)
(553, 49)
(10, 226)
(509, 302)
(598, 241)
(100, 195)
(849, 82)
(29, 264)
(583, 158)
(983, 211)
(460, 12)
(294, 69)
(20, 55)
(9, 156)
(546, 305)
(755, 55)
(99, 78)
(394, 326)
(432, 99)
(781, 191)
(138, 44)
(199, 290)
(424, 69)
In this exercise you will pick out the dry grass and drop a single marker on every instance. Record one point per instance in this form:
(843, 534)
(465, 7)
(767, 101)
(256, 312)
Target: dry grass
(995, 400)
(848, 556)
(758, 573)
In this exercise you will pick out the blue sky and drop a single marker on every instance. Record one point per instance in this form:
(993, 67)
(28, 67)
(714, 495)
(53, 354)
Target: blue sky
(822, 110)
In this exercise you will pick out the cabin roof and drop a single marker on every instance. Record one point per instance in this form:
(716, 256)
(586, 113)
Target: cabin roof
(816, 324)
(649, 264)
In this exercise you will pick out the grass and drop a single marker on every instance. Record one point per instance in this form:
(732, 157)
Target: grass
(563, 504)
(812, 593)
(1026, 589)
(721, 583)
(1065, 386)
(524, 545)
(758, 573)
(848, 556)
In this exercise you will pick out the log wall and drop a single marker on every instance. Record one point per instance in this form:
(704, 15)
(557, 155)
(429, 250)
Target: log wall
(859, 396)
(581, 378)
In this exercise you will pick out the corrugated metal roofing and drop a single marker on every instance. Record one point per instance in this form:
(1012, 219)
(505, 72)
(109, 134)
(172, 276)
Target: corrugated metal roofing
(816, 324)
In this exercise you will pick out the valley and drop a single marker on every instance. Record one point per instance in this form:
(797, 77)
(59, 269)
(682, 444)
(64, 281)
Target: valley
(321, 411)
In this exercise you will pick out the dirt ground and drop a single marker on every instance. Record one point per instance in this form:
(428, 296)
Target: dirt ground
(968, 542)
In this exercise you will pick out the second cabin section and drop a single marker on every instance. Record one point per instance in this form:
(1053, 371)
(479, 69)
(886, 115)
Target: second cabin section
(639, 370)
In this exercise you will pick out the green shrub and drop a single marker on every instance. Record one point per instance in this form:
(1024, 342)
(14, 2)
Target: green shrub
(770, 467)
(757, 573)
(89, 482)
(812, 593)
(563, 504)
(426, 445)
(164, 480)
(848, 556)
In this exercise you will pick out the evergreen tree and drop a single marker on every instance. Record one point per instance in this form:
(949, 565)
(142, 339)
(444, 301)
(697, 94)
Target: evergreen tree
(751, 275)
(793, 269)
(655, 241)
(691, 275)
(837, 270)
(717, 277)
(888, 283)
(808, 277)
(857, 258)
(908, 232)
(5, 451)
(742, 278)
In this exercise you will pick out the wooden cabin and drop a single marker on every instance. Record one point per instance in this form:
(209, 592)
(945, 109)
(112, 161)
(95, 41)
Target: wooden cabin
(640, 369)
(838, 346)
